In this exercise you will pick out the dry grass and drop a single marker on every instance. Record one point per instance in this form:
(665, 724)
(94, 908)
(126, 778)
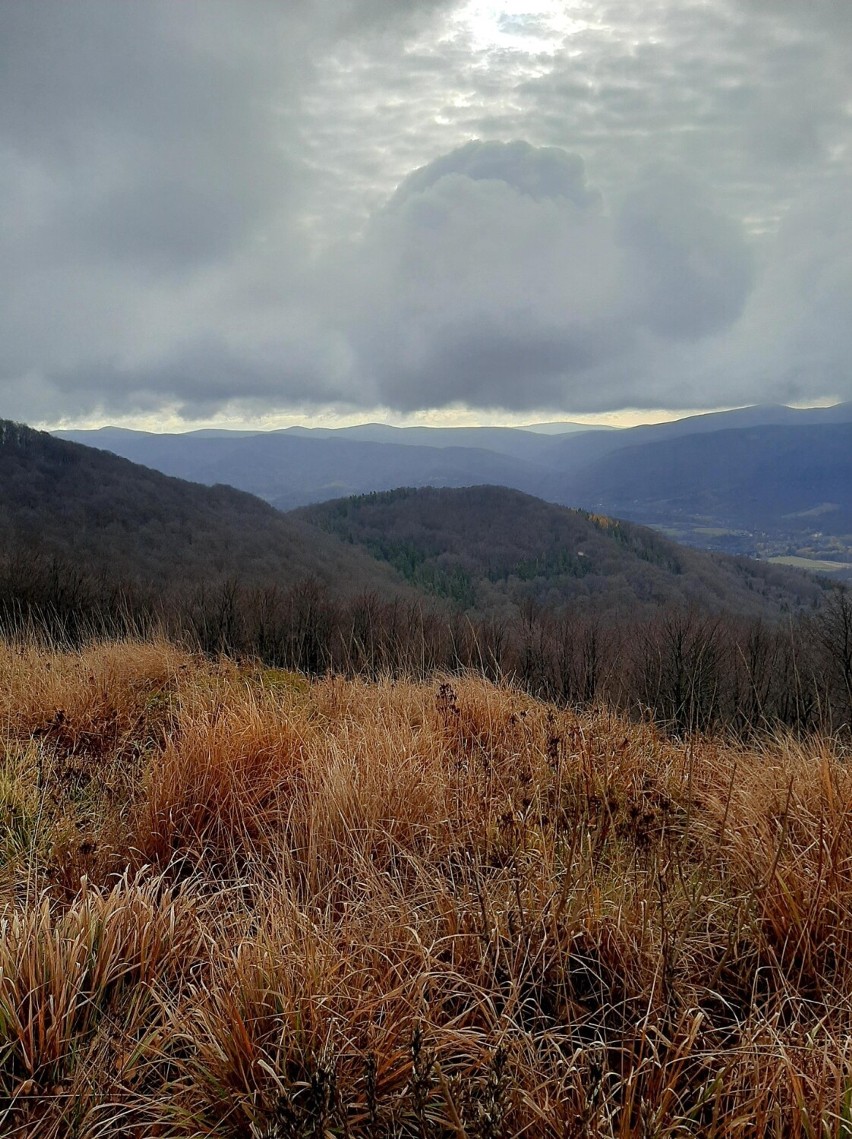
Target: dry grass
(236, 904)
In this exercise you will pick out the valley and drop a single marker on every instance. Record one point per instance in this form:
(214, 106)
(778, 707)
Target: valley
(575, 606)
(765, 482)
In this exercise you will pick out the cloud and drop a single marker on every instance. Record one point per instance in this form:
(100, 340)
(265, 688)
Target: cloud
(142, 129)
(689, 266)
(153, 195)
(497, 277)
(536, 172)
(795, 339)
(243, 202)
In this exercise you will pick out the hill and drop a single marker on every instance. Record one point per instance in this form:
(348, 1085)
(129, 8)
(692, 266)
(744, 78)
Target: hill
(572, 454)
(123, 522)
(489, 548)
(519, 442)
(290, 469)
(784, 489)
(764, 457)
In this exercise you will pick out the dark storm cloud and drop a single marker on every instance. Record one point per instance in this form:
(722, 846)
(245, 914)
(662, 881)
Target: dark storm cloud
(142, 133)
(152, 188)
(202, 375)
(219, 203)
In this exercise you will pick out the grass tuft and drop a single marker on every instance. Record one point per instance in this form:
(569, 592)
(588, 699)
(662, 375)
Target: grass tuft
(242, 904)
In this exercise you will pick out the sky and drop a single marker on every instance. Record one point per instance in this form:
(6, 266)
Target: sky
(261, 212)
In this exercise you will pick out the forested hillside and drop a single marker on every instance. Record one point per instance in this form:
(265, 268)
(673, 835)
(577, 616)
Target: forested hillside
(493, 549)
(83, 531)
(742, 489)
(577, 608)
(290, 469)
(765, 481)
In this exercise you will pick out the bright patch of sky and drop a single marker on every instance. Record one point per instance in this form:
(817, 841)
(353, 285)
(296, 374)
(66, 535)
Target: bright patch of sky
(522, 26)
(171, 419)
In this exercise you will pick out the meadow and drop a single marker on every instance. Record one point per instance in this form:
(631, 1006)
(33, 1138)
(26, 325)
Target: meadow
(238, 902)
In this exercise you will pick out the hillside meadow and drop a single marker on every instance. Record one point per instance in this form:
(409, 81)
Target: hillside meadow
(241, 903)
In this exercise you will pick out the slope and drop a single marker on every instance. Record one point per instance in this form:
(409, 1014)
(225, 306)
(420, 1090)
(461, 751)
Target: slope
(490, 549)
(779, 489)
(520, 442)
(769, 481)
(126, 522)
(573, 454)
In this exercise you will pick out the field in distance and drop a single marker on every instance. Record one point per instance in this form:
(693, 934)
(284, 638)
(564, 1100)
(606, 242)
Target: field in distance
(842, 570)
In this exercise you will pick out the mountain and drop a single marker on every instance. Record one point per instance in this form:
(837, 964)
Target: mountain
(752, 476)
(564, 427)
(519, 442)
(483, 547)
(124, 522)
(787, 489)
(290, 469)
(491, 549)
(742, 481)
(299, 465)
(572, 454)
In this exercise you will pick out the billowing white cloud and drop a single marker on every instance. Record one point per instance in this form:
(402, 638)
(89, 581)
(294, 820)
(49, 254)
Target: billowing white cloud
(497, 277)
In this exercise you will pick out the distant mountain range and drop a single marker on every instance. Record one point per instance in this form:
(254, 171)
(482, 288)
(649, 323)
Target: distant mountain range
(771, 481)
(753, 477)
(483, 549)
(290, 469)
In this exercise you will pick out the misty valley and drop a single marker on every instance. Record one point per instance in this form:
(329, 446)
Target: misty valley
(765, 482)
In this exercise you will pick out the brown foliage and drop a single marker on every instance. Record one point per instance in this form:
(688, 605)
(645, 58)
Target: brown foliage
(278, 906)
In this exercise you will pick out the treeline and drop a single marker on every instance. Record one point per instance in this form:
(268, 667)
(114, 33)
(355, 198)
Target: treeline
(686, 670)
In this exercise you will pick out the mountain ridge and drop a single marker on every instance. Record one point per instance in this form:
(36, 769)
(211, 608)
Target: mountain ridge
(128, 521)
(596, 470)
(494, 548)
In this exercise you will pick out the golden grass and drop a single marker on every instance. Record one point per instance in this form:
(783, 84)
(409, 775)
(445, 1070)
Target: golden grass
(238, 904)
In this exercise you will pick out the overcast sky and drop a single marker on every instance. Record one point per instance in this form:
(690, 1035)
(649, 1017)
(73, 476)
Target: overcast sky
(259, 212)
